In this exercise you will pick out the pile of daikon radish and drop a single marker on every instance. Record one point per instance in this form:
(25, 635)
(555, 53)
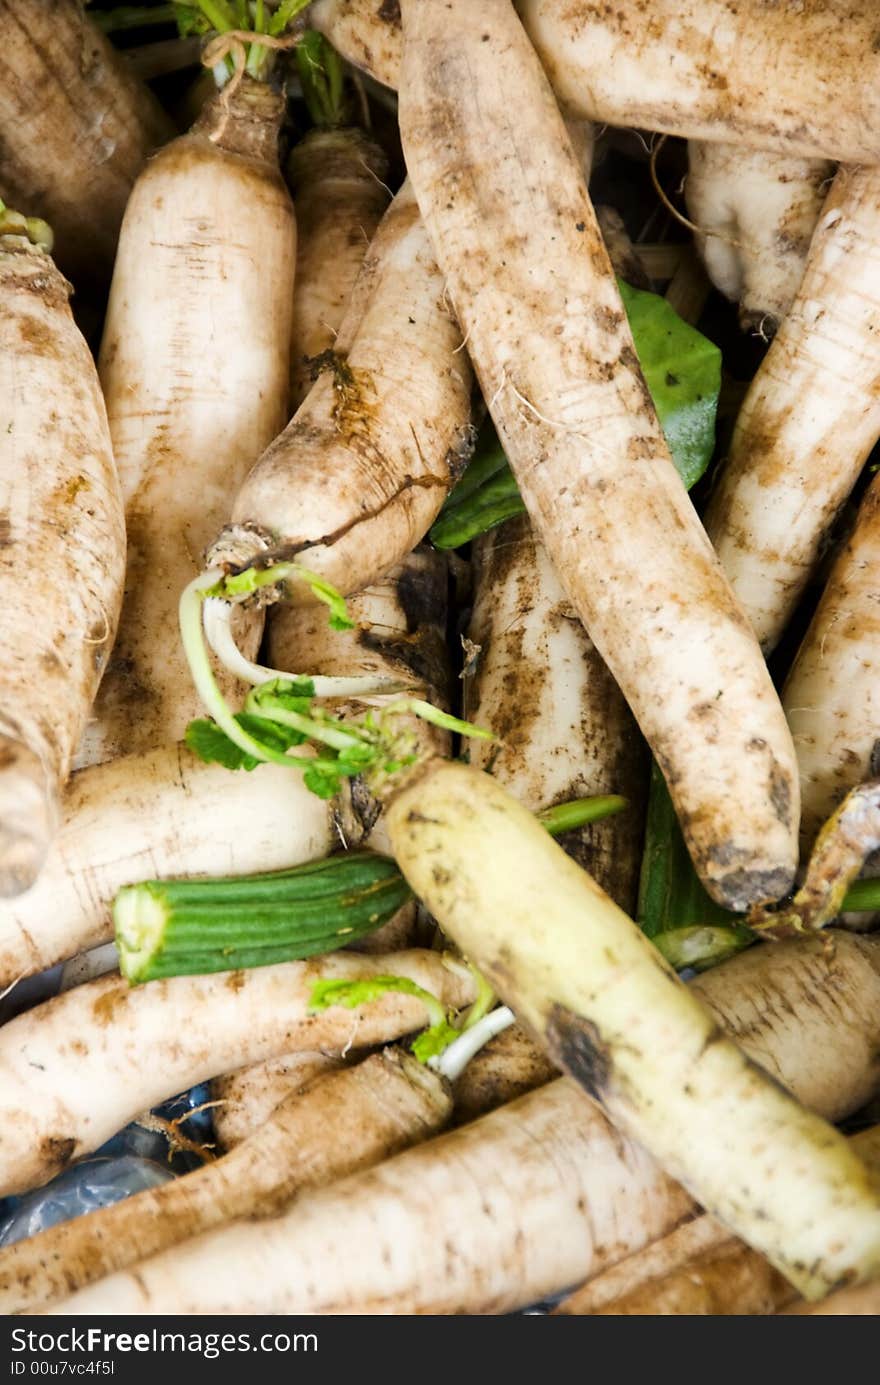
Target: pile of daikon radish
(216, 556)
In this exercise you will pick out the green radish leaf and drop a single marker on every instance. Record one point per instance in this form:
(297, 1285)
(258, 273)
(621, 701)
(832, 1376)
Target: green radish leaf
(322, 782)
(682, 369)
(351, 994)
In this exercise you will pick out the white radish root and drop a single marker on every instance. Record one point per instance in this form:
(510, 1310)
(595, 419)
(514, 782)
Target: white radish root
(832, 694)
(63, 554)
(698, 1270)
(194, 364)
(246, 1098)
(801, 82)
(336, 179)
(163, 814)
(350, 1120)
(360, 472)
(564, 729)
(810, 417)
(79, 1067)
(580, 974)
(757, 212)
(541, 313)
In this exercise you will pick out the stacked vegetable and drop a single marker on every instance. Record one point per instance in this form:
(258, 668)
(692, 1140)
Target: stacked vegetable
(439, 345)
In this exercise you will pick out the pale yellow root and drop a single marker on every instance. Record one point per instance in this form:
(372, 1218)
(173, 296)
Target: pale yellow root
(246, 1098)
(810, 418)
(76, 125)
(194, 363)
(63, 547)
(539, 307)
(832, 694)
(348, 1121)
(540, 1195)
(77, 1068)
(611, 1012)
(337, 181)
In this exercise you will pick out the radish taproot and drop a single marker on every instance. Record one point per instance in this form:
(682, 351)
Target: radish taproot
(810, 417)
(335, 173)
(196, 385)
(63, 554)
(378, 1107)
(832, 691)
(76, 126)
(699, 68)
(756, 214)
(537, 1196)
(75, 1070)
(360, 472)
(247, 1097)
(517, 238)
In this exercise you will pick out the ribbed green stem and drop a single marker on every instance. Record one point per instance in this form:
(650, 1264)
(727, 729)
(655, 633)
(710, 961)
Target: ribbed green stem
(182, 927)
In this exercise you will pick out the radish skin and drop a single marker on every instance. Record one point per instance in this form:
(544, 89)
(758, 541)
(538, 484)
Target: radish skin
(541, 1194)
(515, 232)
(698, 1270)
(763, 210)
(360, 472)
(832, 694)
(613, 1014)
(76, 125)
(810, 417)
(802, 81)
(336, 179)
(194, 365)
(246, 1098)
(508, 1067)
(151, 816)
(79, 1067)
(63, 553)
(564, 729)
(350, 1120)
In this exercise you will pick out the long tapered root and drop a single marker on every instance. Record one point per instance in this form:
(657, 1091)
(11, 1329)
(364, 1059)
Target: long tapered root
(28, 816)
